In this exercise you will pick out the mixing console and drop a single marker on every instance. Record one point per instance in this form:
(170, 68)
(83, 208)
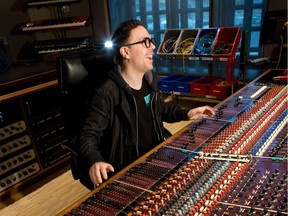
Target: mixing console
(232, 164)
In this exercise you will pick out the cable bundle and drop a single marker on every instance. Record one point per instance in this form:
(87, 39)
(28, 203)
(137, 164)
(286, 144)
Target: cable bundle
(223, 83)
(169, 45)
(205, 43)
(185, 46)
(223, 48)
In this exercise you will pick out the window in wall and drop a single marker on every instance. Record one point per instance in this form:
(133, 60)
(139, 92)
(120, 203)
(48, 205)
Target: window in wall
(192, 14)
(252, 14)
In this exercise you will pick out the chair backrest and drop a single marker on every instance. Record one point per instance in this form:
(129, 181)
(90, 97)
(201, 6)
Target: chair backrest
(74, 67)
(78, 73)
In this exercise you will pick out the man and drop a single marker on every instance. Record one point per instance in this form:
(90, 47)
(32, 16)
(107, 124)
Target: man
(124, 119)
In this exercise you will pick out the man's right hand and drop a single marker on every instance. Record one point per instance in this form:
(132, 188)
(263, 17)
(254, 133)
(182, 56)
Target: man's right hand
(98, 171)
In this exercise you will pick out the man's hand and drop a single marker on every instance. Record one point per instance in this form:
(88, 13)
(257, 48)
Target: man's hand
(200, 112)
(98, 171)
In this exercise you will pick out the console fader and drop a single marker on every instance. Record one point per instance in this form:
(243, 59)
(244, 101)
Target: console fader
(233, 164)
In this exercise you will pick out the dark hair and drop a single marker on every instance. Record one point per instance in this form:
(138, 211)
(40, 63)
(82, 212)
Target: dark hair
(121, 35)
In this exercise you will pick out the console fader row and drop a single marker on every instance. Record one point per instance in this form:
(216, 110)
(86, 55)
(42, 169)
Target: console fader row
(233, 164)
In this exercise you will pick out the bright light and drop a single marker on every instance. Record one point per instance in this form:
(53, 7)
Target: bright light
(108, 44)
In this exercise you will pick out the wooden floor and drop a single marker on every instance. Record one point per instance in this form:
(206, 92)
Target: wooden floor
(48, 199)
(57, 194)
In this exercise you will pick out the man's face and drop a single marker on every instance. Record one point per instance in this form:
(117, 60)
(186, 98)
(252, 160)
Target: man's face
(140, 57)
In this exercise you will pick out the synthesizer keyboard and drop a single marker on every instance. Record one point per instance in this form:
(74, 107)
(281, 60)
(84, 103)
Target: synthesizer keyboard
(37, 3)
(53, 24)
(60, 45)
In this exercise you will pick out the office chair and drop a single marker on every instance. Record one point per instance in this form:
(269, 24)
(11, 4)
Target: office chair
(78, 73)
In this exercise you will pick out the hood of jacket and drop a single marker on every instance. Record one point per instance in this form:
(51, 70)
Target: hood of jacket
(115, 74)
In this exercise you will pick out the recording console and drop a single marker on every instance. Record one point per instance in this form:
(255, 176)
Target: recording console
(232, 164)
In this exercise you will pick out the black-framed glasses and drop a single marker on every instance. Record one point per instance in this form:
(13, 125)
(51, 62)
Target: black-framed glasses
(147, 41)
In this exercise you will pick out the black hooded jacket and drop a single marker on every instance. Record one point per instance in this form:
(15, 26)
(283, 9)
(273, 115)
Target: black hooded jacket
(110, 132)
